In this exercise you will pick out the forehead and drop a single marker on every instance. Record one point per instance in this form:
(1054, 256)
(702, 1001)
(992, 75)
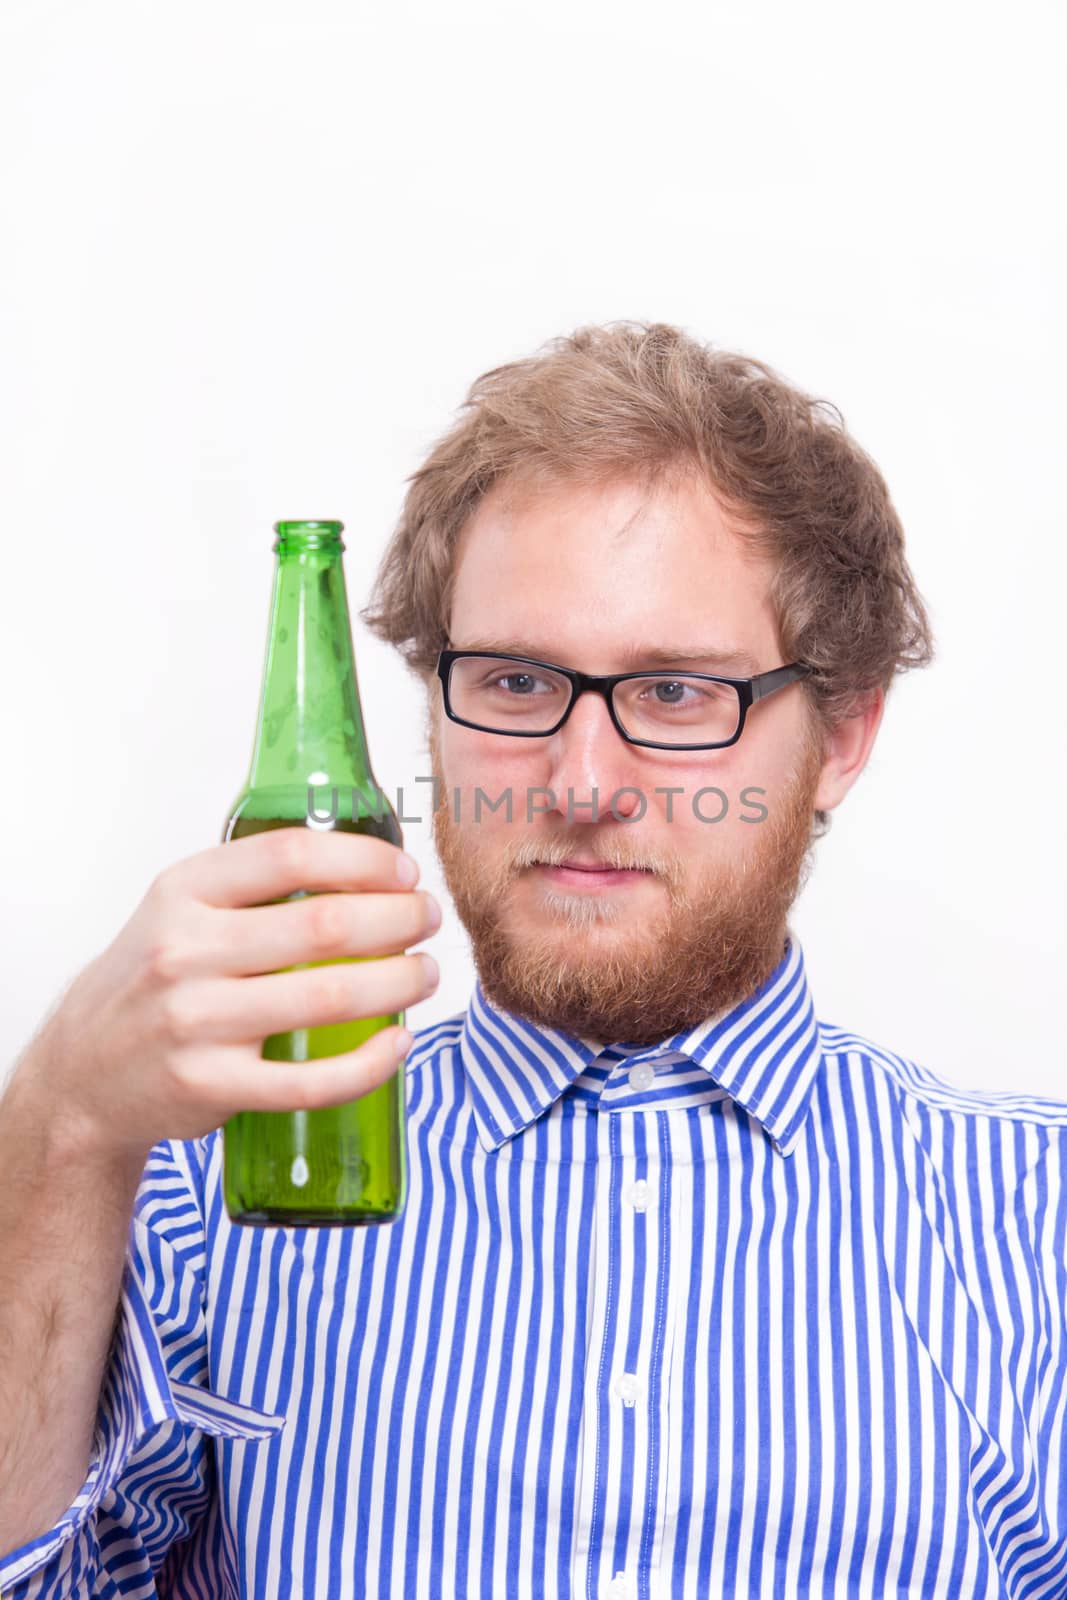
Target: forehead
(589, 573)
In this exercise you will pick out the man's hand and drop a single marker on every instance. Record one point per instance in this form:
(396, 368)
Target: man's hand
(160, 1036)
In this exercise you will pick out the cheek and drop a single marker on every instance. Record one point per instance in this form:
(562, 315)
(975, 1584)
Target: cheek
(472, 760)
(486, 783)
(711, 815)
(766, 756)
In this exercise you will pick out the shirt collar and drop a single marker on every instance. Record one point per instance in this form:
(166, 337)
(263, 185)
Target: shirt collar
(764, 1052)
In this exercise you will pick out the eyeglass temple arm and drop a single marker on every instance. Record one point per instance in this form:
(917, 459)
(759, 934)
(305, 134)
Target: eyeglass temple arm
(768, 682)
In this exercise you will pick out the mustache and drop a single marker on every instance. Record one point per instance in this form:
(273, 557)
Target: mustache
(616, 855)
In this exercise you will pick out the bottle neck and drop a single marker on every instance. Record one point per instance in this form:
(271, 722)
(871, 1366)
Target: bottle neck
(310, 728)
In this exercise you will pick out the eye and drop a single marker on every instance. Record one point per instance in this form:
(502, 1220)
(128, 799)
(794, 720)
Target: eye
(671, 692)
(682, 692)
(524, 682)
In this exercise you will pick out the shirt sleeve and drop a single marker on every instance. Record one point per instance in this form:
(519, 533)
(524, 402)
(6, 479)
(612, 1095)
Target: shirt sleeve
(151, 1475)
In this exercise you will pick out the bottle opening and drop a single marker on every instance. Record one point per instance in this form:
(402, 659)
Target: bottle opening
(313, 534)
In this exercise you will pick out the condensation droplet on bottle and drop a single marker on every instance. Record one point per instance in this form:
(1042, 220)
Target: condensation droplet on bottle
(299, 1173)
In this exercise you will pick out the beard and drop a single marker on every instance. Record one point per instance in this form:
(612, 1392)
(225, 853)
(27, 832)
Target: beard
(594, 967)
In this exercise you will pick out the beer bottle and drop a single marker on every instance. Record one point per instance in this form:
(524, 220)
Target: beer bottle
(338, 1165)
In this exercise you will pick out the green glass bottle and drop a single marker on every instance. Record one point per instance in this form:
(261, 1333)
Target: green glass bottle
(339, 1165)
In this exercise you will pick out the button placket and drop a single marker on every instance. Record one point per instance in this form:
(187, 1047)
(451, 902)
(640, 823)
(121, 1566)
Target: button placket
(622, 1449)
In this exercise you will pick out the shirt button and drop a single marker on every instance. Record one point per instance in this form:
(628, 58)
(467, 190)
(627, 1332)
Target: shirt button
(643, 1076)
(619, 1587)
(627, 1388)
(637, 1194)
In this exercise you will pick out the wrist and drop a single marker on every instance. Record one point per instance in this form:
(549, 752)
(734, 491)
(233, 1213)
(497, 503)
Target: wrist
(59, 1139)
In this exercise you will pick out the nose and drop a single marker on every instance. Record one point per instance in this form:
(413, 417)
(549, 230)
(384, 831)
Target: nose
(590, 762)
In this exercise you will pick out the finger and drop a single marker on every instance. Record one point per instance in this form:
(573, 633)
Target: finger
(324, 927)
(268, 866)
(240, 1080)
(231, 1011)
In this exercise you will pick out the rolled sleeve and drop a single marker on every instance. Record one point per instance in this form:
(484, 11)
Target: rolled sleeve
(150, 1477)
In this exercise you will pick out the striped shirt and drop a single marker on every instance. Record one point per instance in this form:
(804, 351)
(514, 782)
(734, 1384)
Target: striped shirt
(763, 1310)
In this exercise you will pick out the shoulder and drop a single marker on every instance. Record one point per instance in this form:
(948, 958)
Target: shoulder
(846, 1051)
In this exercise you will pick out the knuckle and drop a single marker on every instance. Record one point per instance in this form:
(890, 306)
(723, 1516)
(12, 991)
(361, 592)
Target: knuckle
(157, 888)
(300, 1092)
(185, 1080)
(196, 1085)
(166, 958)
(291, 851)
(164, 886)
(180, 1014)
(329, 925)
(333, 994)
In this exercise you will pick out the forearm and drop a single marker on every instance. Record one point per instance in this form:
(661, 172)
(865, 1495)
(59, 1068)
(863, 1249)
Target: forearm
(65, 1211)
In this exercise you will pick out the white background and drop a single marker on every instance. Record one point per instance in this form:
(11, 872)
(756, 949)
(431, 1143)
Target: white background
(252, 256)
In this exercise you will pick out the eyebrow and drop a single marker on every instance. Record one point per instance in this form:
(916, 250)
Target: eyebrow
(731, 659)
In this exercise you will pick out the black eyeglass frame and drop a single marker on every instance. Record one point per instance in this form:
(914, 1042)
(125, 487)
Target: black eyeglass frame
(749, 691)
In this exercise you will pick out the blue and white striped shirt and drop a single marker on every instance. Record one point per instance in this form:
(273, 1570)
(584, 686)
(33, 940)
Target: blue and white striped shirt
(763, 1310)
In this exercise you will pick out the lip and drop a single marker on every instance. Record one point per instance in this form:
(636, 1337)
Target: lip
(595, 876)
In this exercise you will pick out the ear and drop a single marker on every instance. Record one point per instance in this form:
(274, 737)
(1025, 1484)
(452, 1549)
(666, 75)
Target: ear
(846, 749)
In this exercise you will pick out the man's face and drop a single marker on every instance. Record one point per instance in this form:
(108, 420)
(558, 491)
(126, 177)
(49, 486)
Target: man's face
(693, 919)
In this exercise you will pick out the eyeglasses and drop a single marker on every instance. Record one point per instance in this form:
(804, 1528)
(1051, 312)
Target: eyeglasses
(663, 710)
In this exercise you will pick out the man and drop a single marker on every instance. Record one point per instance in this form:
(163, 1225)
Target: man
(691, 1294)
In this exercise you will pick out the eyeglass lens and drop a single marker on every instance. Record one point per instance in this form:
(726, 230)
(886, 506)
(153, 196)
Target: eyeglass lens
(664, 707)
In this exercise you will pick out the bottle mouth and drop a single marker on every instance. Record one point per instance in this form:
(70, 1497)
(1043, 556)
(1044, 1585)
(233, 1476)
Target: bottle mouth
(308, 535)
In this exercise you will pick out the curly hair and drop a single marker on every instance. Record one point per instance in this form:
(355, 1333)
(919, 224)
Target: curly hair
(646, 399)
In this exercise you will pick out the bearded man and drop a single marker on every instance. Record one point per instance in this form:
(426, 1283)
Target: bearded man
(692, 1293)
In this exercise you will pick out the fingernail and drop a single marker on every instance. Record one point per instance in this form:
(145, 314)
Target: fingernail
(407, 869)
(404, 1041)
(429, 966)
